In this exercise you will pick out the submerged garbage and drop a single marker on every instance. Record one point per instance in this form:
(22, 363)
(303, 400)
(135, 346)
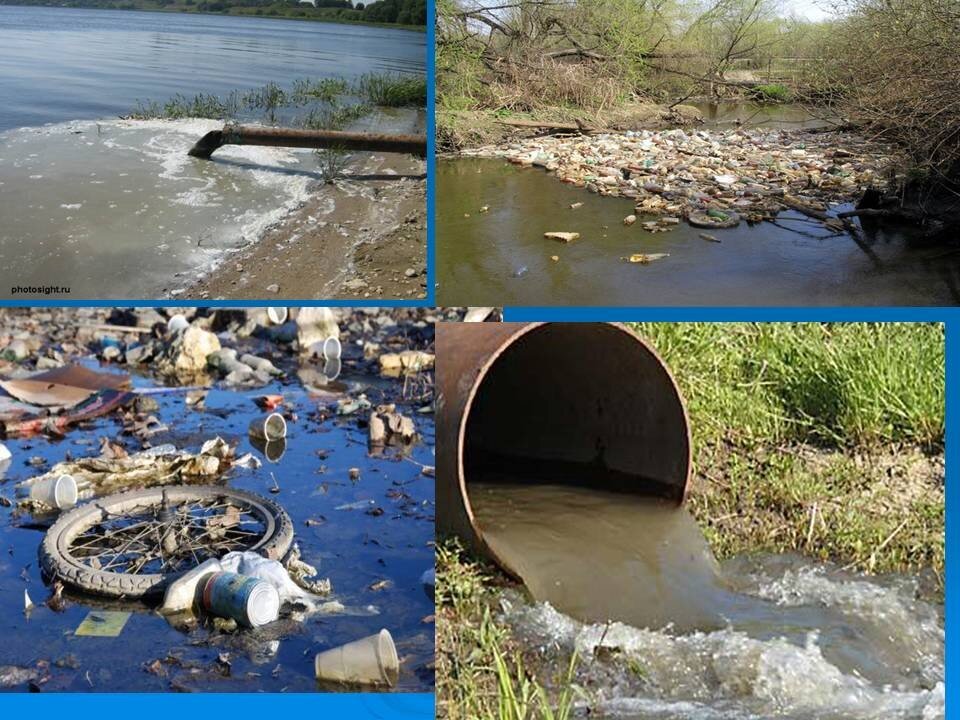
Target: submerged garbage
(171, 457)
(711, 177)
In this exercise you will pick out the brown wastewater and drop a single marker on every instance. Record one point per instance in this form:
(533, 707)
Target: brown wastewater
(564, 456)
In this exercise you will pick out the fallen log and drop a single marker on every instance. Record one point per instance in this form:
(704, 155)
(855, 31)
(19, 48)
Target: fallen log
(319, 139)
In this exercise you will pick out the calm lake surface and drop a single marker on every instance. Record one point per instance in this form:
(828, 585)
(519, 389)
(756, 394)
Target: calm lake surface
(60, 64)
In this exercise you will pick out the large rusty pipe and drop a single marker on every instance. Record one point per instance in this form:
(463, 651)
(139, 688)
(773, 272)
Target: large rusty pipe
(288, 137)
(550, 397)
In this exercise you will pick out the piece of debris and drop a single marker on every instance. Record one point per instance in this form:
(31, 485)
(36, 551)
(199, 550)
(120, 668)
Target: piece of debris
(566, 237)
(388, 427)
(644, 259)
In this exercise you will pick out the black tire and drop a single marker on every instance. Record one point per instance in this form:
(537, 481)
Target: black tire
(57, 562)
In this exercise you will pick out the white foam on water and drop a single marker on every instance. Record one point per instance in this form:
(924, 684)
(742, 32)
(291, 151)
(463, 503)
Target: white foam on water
(143, 172)
(728, 675)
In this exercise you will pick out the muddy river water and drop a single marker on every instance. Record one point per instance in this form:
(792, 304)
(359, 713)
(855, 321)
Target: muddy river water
(664, 631)
(499, 256)
(354, 548)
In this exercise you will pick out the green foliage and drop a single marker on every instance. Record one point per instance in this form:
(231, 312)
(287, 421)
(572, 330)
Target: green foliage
(392, 90)
(332, 103)
(404, 12)
(773, 92)
(840, 385)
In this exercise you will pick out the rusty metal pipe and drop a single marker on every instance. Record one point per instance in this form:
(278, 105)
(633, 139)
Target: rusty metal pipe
(578, 401)
(326, 139)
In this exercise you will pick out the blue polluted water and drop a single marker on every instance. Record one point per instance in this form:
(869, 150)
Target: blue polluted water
(373, 559)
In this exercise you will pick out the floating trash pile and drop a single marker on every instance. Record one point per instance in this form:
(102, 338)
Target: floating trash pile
(710, 178)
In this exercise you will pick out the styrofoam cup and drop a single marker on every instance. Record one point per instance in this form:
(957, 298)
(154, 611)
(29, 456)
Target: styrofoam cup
(277, 315)
(58, 492)
(369, 661)
(272, 427)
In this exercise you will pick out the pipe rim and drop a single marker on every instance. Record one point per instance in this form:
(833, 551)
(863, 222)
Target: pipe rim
(475, 388)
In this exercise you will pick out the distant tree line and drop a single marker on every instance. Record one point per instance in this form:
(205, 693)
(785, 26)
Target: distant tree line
(399, 12)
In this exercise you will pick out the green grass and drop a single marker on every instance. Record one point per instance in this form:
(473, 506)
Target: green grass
(480, 672)
(331, 100)
(390, 90)
(771, 93)
(835, 385)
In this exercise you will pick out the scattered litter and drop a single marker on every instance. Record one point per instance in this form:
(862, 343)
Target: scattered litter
(162, 465)
(388, 427)
(288, 589)
(269, 402)
(477, 314)
(644, 259)
(27, 602)
(270, 428)
(709, 238)
(407, 362)
(679, 172)
(101, 403)
(348, 406)
(58, 491)
(629, 220)
(358, 505)
(369, 661)
(566, 237)
(63, 387)
(314, 326)
(103, 623)
(183, 593)
(248, 600)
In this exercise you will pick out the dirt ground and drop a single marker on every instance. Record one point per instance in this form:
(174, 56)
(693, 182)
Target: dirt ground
(362, 236)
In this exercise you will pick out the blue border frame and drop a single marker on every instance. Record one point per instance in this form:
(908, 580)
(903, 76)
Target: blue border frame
(155, 706)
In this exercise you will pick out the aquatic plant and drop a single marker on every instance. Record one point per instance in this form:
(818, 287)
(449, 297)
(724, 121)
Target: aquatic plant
(392, 90)
(267, 98)
(304, 91)
(773, 92)
(332, 162)
(335, 117)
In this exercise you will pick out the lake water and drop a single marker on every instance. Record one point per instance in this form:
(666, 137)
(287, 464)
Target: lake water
(105, 207)
(60, 64)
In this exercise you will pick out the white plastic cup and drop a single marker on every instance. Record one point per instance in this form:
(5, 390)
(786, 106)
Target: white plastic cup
(58, 492)
(277, 315)
(331, 369)
(271, 428)
(177, 324)
(369, 661)
(332, 348)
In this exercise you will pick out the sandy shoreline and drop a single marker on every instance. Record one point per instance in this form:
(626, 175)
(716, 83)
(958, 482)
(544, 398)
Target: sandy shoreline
(362, 236)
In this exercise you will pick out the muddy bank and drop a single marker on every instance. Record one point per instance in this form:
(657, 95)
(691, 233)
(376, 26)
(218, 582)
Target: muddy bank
(364, 235)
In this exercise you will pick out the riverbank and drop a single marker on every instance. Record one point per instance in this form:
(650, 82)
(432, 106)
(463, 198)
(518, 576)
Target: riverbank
(789, 458)
(362, 236)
